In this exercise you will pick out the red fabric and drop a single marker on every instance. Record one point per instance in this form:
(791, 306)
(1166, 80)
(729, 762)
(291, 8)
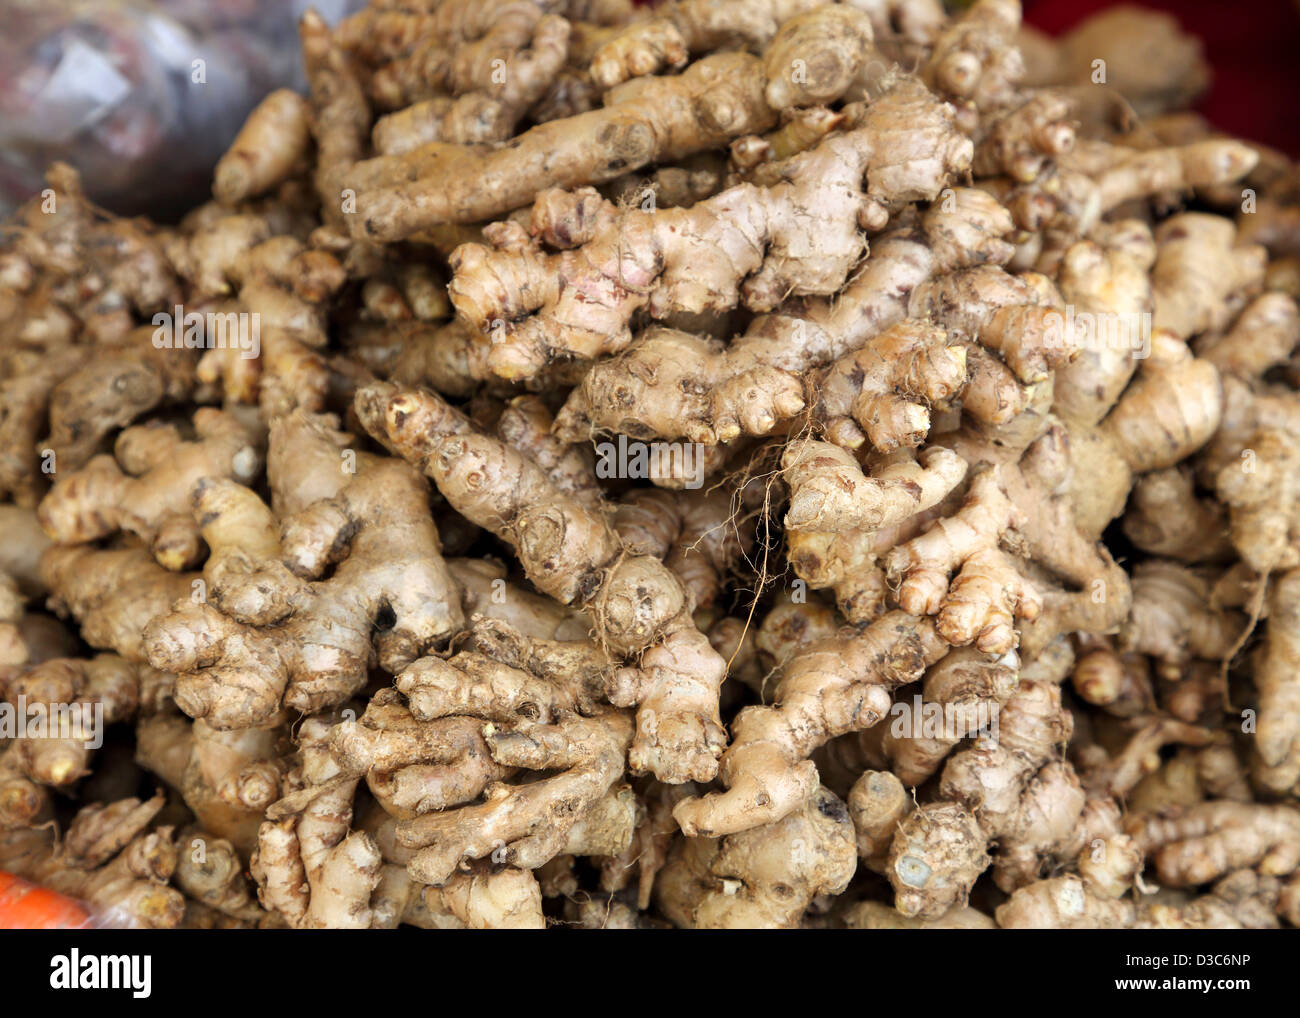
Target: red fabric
(1251, 46)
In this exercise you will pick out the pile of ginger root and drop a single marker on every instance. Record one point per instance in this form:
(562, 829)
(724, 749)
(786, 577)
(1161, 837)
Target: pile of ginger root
(736, 463)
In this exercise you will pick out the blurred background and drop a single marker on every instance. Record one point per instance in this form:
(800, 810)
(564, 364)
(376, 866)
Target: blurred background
(1252, 46)
(143, 96)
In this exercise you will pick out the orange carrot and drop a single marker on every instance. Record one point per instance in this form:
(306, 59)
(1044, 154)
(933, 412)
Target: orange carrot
(25, 906)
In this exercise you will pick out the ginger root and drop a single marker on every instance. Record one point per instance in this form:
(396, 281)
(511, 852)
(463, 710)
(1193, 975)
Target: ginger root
(269, 632)
(107, 858)
(764, 877)
(570, 552)
(679, 456)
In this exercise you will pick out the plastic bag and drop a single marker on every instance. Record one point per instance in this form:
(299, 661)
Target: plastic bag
(141, 97)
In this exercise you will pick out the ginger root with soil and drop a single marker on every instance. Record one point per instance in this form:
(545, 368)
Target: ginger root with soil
(741, 463)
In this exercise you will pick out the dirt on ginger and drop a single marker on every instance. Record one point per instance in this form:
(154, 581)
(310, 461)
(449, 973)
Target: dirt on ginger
(736, 463)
